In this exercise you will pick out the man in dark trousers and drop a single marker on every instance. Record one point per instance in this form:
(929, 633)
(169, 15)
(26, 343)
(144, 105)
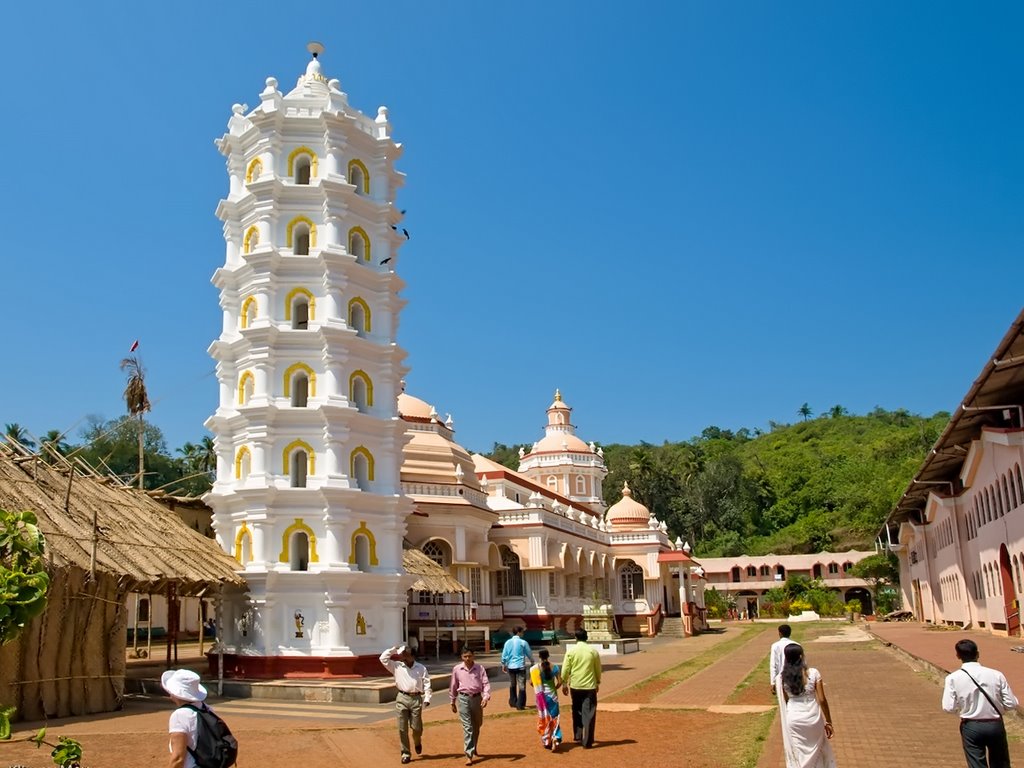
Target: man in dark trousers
(516, 658)
(581, 673)
(981, 695)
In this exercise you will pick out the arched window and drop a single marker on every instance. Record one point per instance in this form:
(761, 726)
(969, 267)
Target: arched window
(361, 550)
(631, 579)
(359, 318)
(553, 483)
(833, 568)
(1016, 573)
(251, 239)
(302, 162)
(1006, 495)
(243, 544)
(300, 315)
(361, 467)
(359, 244)
(437, 552)
(816, 571)
(298, 549)
(780, 571)
(751, 571)
(360, 390)
(766, 570)
(299, 462)
(1008, 482)
(243, 463)
(510, 580)
(248, 314)
(300, 235)
(254, 171)
(299, 308)
(303, 170)
(291, 376)
(977, 513)
(300, 390)
(581, 485)
(359, 177)
(1020, 483)
(736, 573)
(246, 387)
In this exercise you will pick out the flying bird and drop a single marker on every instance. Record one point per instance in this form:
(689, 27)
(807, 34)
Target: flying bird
(385, 261)
(394, 227)
(405, 232)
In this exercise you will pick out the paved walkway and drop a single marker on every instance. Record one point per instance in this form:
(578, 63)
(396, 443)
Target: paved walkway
(885, 707)
(713, 684)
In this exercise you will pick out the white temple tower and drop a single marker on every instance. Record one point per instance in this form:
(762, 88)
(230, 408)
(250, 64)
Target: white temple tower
(562, 462)
(309, 442)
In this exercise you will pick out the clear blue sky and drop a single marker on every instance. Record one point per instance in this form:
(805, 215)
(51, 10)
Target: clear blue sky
(679, 213)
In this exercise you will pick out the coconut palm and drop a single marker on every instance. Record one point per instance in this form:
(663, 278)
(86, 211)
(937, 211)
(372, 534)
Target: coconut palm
(55, 442)
(137, 400)
(805, 411)
(19, 434)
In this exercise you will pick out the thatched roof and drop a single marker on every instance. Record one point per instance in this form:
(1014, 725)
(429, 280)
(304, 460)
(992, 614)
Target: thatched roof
(138, 540)
(430, 577)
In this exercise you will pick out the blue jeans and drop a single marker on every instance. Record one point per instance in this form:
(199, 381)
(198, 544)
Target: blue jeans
(517, 688)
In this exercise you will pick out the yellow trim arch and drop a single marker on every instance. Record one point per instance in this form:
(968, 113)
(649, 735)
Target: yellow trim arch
(291, 370)
(367, 318)
(366, 174)
(291, 228)
(302, 151)
(243, 318)
(361, 233)
(295, 527)
(243, 533)
(362, 450)
(254, 171)
(362, 530)
(251, 239)
(295, 445)
(291, 298)
(244, 379)
(361, 374)
(239, 457)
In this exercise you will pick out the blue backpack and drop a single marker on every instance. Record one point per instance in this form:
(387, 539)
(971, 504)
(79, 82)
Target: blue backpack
(215, 746)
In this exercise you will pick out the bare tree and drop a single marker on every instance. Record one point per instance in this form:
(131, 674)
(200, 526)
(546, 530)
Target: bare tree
(137, 400)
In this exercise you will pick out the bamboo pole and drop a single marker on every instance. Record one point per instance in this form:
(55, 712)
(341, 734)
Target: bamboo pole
(135, 630)
(202, 627)
(219, 613)
(149, 626)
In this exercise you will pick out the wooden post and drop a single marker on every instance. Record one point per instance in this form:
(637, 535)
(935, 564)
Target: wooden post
(135, 631)
(219, 637)
(437, 630)
(149, 626)
(202, 627)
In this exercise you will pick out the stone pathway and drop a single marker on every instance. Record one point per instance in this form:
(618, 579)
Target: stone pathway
(713, 684)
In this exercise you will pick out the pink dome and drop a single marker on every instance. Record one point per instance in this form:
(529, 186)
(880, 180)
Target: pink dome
(627, 512)
(410, 407)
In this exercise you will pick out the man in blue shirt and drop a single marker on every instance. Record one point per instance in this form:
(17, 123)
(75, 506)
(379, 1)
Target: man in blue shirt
(516, 658)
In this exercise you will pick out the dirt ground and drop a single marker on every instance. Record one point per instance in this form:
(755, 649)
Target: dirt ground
(507, 739)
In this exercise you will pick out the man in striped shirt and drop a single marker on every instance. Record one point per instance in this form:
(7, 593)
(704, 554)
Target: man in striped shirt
(469, 692)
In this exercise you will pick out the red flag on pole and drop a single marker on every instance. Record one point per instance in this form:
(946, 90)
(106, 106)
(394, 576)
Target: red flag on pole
(135, 346)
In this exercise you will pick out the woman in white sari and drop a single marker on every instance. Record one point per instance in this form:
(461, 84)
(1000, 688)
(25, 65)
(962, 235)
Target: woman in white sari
(803, 710)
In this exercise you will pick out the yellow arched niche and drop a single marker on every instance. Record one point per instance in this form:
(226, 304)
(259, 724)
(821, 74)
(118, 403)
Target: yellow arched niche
(290, 299)
(243, 380)
(251, 239)
(295, 527)
(291, 229)
(361, 234)
(302, 151)
(291, 370)
(360, 374)
(254, 171)
(295, 445)
(366, 174)
(362, 530)
(362, 450)
(242, 535)
(239, 458)
(367, 319)
(248, 304)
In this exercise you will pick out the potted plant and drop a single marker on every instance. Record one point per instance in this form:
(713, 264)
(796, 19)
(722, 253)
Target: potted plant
(853, 608)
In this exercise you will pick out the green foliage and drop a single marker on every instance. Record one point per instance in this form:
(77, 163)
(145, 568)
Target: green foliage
(67, 753)
(718, 605)
(506, 455)
(853, 605)
(23, 579)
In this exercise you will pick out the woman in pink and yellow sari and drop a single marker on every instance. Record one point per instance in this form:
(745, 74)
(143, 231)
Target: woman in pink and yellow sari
(546, 679)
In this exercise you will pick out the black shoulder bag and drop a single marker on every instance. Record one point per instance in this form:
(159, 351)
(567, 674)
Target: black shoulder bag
(984, 693)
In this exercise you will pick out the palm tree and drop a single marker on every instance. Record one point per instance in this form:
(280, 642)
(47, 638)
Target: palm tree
(19, 434)
(836, 411)
(55, 442)
(137, 400)
(805, 411)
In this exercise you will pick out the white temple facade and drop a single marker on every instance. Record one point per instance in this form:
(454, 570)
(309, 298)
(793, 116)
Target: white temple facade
(309, 443)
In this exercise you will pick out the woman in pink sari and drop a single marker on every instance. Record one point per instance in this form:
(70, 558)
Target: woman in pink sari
(546, 679)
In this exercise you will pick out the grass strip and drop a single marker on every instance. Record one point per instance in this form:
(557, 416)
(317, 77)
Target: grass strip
(756, 677)
(674, 675)
(754, 739)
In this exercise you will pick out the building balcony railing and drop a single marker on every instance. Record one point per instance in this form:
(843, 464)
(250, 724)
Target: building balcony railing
(456, 613)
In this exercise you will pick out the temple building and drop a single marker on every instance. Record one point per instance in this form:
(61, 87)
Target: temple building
(309, 443)
(958, 529)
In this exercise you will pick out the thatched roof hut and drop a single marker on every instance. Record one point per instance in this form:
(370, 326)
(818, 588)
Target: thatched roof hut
(103, 540)
(430, 577)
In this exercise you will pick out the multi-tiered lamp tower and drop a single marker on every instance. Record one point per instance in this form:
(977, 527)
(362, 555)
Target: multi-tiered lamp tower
(309, 442)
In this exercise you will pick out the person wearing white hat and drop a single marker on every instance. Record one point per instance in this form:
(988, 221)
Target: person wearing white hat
(413, 683)
(183, 686)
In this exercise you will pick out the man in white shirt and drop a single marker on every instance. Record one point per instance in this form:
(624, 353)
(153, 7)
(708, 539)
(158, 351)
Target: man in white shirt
(777, 654)
(981, 695)
(413, 683)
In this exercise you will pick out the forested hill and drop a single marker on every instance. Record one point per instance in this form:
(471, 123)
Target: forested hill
(822, 483)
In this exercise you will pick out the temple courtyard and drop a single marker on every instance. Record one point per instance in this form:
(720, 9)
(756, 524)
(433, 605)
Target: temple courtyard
(696, 702)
